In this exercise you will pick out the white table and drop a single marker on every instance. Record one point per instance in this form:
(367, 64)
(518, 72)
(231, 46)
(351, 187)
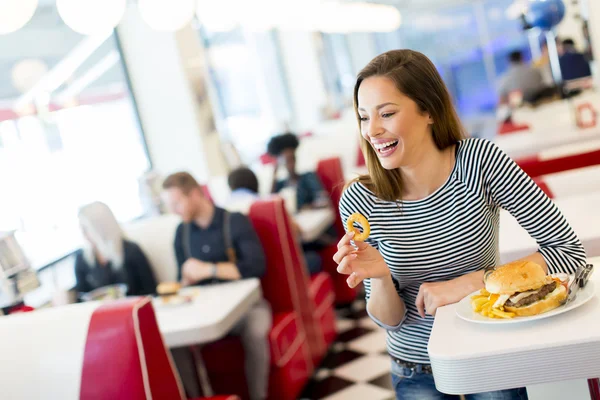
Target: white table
(552, 357)
(527, 143)
(576, 182)
(570, 149)
(313, 223)
(583, 214)
(212, 314)
(555, 114)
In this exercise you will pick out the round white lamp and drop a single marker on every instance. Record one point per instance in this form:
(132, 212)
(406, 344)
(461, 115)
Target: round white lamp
(90, 17)
(14, 14)
(167, 15)
(26, 73)
(218, 16)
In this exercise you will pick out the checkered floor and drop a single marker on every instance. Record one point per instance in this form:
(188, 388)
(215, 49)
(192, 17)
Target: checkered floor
(357, 366)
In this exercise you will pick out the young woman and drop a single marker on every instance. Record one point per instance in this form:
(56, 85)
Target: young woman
(107, 257)
(433, 201)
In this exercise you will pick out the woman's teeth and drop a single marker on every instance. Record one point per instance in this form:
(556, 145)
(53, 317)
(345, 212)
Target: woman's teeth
(386, 147)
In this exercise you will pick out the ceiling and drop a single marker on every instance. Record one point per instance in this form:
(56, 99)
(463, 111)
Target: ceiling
(47, 38)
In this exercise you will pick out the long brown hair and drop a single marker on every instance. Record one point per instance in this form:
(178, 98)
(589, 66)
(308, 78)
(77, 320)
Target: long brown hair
(416, 77)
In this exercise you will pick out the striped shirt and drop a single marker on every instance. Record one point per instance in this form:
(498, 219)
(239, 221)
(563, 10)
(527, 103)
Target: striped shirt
(454, 231)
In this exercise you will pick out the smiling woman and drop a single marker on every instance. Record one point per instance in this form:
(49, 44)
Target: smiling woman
(404, 94)
(433, 201)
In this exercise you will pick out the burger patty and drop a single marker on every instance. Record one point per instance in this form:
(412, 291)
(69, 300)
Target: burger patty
(543, 292)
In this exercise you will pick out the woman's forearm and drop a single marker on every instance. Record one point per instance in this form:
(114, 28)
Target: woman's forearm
(384, 302)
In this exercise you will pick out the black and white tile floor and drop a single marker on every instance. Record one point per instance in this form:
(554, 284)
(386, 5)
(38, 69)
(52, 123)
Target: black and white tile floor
(357, 366)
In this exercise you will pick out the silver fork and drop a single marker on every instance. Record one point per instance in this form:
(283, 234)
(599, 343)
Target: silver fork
(581, 278)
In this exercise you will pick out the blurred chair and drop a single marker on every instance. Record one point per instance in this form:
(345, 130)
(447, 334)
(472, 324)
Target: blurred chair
(89, 351)
(332, 176)
(510, 127)
(311, 297)
(224, 359)
(296, 339)
(266, 159)
(206, 191)
(360, 157)
(156, 236)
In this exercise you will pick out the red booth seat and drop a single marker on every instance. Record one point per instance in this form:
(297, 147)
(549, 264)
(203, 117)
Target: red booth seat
(286, 263)
(90, 351)
(303, 316)
(286, 338)
(331, 174)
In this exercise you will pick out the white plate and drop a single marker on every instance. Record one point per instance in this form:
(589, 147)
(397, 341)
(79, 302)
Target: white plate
(465, 311)
(185, 296)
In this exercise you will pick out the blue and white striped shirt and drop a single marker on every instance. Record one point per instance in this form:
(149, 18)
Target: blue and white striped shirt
(454, 231)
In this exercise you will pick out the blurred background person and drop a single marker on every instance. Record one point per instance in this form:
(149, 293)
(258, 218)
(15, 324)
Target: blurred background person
(525, 79)
(244, 191)
(309, 189)
(573, 64)
(243, 184)
(107, 258)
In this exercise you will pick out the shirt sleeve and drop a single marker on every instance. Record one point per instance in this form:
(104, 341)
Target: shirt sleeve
(356, 199)
(510, 188)
(81, 284)
(250, 256)
(179, 253)
(145, 283)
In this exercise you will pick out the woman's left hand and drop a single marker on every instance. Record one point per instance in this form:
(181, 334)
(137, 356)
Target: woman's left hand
(433, 295)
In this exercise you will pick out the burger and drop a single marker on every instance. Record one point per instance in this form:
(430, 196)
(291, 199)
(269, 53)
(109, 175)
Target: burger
(168, 290)
(524, 289)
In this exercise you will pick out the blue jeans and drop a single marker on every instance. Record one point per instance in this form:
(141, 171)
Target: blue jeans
(412, 384)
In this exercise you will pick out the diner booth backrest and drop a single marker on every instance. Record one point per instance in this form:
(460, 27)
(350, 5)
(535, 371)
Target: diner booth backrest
(88, 351)
(156, 236)
(286, 283)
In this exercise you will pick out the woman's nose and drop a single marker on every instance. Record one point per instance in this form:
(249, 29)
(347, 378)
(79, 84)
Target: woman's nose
(374, 128)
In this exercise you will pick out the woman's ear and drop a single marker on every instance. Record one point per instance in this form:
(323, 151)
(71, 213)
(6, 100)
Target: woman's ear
(430, 120)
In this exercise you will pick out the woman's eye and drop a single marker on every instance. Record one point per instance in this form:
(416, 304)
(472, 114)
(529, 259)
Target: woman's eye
(387, 115)
(363, 119)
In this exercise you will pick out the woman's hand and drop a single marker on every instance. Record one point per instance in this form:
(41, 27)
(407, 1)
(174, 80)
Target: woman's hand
(360, 263)
(433, 295)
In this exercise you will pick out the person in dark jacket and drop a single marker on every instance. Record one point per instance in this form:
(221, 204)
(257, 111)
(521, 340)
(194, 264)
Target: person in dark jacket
(573, 64)
(107, 258)
(212, 246)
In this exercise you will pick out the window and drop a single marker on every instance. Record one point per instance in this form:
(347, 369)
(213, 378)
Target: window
(337, 69)
(469, 44)
(248, 81)
(69, 134)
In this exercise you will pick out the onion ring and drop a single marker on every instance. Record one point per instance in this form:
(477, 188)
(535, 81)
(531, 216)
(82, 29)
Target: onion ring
(360, 219)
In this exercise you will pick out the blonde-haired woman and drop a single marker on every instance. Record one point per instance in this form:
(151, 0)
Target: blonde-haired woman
(107, 257)
(433, 200)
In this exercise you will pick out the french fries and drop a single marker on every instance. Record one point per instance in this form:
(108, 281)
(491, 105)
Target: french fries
(483, 302)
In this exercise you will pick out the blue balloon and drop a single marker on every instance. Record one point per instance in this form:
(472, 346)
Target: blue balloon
(545, 14)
